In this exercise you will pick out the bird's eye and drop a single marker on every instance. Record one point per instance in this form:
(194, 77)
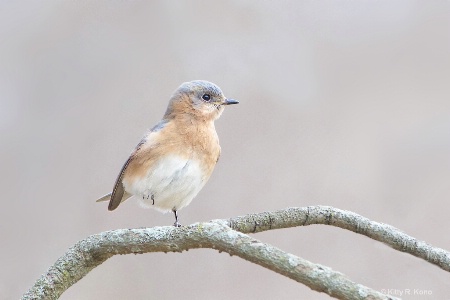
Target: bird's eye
(206, 97)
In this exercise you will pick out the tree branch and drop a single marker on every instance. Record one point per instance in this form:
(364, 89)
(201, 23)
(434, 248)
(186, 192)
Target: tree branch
(327, 215)
(229, 236)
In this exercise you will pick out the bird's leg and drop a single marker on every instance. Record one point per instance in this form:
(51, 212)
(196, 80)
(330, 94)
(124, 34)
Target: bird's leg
(176, 224)
(153, 199)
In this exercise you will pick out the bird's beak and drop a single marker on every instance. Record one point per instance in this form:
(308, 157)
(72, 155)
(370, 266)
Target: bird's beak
(229, 101)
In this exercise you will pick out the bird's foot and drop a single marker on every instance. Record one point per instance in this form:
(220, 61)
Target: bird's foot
(176, 224)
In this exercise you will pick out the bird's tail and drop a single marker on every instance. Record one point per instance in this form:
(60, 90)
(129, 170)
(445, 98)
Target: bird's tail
(107, 197)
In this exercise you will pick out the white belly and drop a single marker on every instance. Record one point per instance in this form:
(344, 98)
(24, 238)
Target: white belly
(172, 183)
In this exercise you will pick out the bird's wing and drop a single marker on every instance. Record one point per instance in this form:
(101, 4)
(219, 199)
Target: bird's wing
(118, 191)
(119, 194)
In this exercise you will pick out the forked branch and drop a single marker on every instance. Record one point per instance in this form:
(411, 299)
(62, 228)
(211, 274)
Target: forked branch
(230, 236)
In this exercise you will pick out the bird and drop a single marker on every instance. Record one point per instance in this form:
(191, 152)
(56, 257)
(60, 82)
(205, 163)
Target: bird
(176, 157)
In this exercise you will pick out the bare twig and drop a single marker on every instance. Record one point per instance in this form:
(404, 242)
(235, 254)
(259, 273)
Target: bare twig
(91, 252)
(229, 236)
(327, 215)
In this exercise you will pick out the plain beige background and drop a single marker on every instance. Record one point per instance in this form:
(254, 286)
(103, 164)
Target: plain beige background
(343, 103)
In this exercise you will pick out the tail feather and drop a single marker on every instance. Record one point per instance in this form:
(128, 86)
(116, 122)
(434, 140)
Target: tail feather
(107, 197)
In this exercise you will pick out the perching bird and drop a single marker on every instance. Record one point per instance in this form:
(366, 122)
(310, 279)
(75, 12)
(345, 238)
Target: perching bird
(175, 158)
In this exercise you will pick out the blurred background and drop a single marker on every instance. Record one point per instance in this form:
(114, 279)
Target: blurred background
(343, 103)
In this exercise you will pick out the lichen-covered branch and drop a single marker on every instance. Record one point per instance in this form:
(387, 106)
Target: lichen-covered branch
(91, 252)
(327, 215)
(230, 236)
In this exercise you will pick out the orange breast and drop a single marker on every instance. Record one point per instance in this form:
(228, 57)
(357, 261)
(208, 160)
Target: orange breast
(184, 137)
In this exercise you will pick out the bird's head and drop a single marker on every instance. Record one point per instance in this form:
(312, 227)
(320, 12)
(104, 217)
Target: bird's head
(199, 98)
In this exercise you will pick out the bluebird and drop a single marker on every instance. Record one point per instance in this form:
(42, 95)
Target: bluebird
(175, 159)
